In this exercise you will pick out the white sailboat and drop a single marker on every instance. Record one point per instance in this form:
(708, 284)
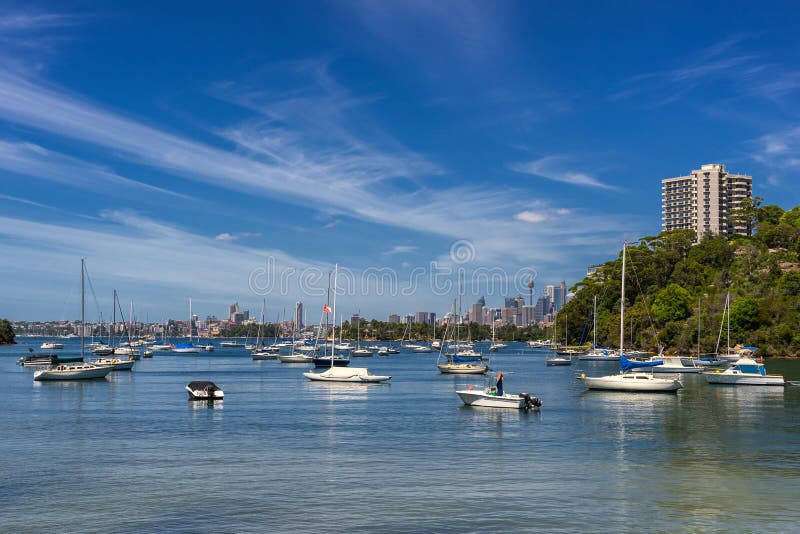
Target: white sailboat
(628, 379)
(359, 375)
(359, 351)
(495, 346)
(598, 353)
(75, 371)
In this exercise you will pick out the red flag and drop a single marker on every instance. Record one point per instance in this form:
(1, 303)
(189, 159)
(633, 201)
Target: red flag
(326, 309)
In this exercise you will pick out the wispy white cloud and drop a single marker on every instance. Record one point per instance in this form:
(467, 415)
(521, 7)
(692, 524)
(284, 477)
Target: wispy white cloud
(22, 201)
(532, 216)
(227, 236)
(400, 249)
(554, 168)
(780, 149)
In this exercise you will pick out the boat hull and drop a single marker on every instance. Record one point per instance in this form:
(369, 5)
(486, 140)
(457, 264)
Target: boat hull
(618, 383)
(558, 361)
(479, 398)
(744, 379)
(72, 373)
(374, 379)
(462, 369)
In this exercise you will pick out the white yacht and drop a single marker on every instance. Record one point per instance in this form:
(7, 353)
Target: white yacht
(675, 364)
(745, 372)
(51, 345)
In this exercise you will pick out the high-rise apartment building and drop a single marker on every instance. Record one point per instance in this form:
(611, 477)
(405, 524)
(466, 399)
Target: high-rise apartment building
(394, 318)
(298, 315)
(704, 201)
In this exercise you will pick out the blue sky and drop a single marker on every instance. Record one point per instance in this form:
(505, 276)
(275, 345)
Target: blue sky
(186, 149)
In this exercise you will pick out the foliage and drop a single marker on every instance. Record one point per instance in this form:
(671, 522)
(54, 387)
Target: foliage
(6, 332)
(667, 275)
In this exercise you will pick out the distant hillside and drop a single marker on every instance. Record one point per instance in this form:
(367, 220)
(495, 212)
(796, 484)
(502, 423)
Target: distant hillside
(667, 277)
(6, 332)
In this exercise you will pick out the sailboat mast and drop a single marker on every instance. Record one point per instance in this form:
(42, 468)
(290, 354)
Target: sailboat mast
(190, 319)
(114, 325)
(728, 307)
(698, 327)
(83, 310)
(333, 331)
(594, 316)
(622, 306)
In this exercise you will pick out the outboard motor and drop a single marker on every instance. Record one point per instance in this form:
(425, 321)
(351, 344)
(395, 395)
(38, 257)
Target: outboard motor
(531, 402)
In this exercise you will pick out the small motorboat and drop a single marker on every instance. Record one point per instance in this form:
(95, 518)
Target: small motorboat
(37, 360)
(558, 360)
(77, 371)
(295, 358)
(361, 353)
(357, 375)
(264, 354)
(162, 346)
(51, 345)
(383, 351)
(232, 344)
(493, 396)
(204, 391)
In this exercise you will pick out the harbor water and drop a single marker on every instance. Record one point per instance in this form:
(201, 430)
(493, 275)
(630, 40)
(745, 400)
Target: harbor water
(130, 453)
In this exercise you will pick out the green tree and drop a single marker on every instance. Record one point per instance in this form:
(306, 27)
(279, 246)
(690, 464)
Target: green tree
(6, 332)
(745, 314)
(672, 303)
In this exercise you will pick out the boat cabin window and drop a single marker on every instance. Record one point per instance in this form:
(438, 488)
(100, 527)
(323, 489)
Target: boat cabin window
(642, 377)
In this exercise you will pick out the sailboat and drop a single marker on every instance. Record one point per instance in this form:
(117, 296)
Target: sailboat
(456, 364)
(332, 360)
(295, 355)
(561, 356)
(628, 379)
(75, 371)
(598, 353)
(495, 346)
(359, 351)
(359, 375)
(260, 351)
(187, 348)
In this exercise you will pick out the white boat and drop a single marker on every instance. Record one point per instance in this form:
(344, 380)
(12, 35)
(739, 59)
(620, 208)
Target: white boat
(452, 368)
(494, 397)
(540, 344)
(115, 363)
(436, 344)
(628, 379)
(495, 346)
(422, 349)
(163, 347)
(50, 345)
(383, 351)
(297, 357)
(598, 353)
(232, 344)
(126, 351)
(74, 371)
(204, 390)
(359, 351)
(632, 381)
(359, 375)
(558, 360)
(208, 348)
(745, 372)
(675, 364)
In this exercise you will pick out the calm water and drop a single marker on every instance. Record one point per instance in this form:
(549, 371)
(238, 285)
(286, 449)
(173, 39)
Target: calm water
(281, 454)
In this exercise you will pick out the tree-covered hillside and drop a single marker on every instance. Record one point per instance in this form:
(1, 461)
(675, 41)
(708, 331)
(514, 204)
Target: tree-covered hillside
(669, 281)
(6, 332)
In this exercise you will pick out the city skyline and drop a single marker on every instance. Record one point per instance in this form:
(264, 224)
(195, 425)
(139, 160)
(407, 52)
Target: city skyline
(181, 160)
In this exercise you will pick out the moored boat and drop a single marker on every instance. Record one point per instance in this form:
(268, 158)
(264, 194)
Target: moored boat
(745, 372)
(358, 375)
(495, 397)
(204, 390)
(76, 371)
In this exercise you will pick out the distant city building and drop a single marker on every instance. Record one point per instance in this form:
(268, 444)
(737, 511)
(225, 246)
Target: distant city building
(233, 309)
(298, 315)
(355, 319)
(408, 319)
(394, 318)
(425, 317)
(476, 311)
(557, 295)
(705, 200)
(241, 316)
(542, 309)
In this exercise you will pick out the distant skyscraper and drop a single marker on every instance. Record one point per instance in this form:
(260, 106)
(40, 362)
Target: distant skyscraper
(355, 319)
(394, 318)
(298, 314)
(476, 311)
(425, 317)
(233, 309)
(705, 200)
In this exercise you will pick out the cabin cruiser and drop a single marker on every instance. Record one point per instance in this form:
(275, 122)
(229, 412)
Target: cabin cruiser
(51, 345)
(746, 372)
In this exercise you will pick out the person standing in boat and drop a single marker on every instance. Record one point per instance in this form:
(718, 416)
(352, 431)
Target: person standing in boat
(499, 384)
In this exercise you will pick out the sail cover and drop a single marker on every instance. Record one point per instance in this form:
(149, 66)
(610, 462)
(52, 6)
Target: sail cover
(626, 365)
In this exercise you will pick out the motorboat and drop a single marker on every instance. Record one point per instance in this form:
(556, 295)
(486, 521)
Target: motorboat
(147, 353)
(422, 349)
(358, 375)
(436, 344)
(569, 352)
(494, 397)
(383, 351)
(115, 363)
(126, 351)
(745, 372)
(37, 360)
(162, 347)
(456, 368)
(232, 344)
(102, 350)
(494, 347)
(75, 371)
(558, 359)
(208, 347)
(51, 345)
(392, 350)
(361, 353)
(262, 355)
(331, 361)
(540, 344)
(185, 348)
(204, 391)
